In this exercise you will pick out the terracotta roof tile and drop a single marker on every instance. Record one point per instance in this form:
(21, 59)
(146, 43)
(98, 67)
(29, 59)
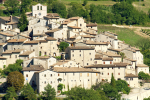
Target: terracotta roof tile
(131, 75)
(91, 24)
(2, 44)
(50, 39)
(107, 59)
(74, 27)
(53, 30)
(26, 53)
(6, 34)
(42, 57)
(11, 23)
(17, 40)
(87, 36)
(141, 65)
(32, 42)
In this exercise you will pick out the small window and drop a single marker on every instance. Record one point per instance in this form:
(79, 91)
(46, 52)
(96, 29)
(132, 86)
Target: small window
(53, 47)
(91, 59)
(88, 80)
(37, 7)
(10, 56)
(80, 55)
(41, 7)
(58, 74)
(72, 50)
(110, 62)
(89, 53)
(80, 50)
(108, 68)
(44, 75)
(51, 75)
(104, 62)
(15, 56)
(118, 73)
(118, 67)
(65, 74)
(108, 73)
(31, 45)
(51, 82)
(26, 75)
(45, 82)
(87, 74)
(87, 63)
(73, 74)
(102, 67)
(102, 74)
(126, 78)
(80, 74)
(96, 74)
(41, 47)
(73, 55)
(112, 68)
(70, 63)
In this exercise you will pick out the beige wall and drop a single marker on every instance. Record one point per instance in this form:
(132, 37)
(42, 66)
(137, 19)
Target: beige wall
(2, 63)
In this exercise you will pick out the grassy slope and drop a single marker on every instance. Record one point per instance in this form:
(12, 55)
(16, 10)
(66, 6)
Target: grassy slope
(124, 34)
(140, 7)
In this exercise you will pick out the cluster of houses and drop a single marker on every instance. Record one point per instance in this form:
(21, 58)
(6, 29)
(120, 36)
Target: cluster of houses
(91, 57)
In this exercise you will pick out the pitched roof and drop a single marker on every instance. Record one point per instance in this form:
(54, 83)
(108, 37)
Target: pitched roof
(74, 18)
(12, 51)
(11, 23)
(61, 62)
(5, 18)
(6, 34)
(81, 48)
(98, 56)
(1, 57)
(26, 53)
(95, 43)
(31, 42)
(141, 65)
(91, 24)
(24, 36)
(136, 49)
(114, 49)
(2, 44)
(42, 57)
(131, 75)
(107, 59)
(129, 59)
(33, 68)
(87, 36)
(74, 69)
(17, 40)
(89, 33)
(50, 39)
(53, 14)
(75, 27)
(109, 54)
(107, 65)
(53, 30)
(67, 21)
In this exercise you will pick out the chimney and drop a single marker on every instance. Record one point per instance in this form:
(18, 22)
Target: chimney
(10, 18)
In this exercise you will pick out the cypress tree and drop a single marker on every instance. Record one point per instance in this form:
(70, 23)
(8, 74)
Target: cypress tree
(113, 83)
(23, 22)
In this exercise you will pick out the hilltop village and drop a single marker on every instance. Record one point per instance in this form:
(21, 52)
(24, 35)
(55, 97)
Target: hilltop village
(90, 58)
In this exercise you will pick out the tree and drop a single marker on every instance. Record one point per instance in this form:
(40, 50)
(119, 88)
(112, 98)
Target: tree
(79, 93)
(143, 75)
(11, 94)
(85, 2)
(122, 85)
(15, 79)
(49, 93)
(111, 92)
(60, 8)
(122, 55)
(11, 5)
(149, 13)
(63, 46)
(60, 86)
(25, 4)
(113, 82)
(23, 22)
(14, 67)
(27, 92)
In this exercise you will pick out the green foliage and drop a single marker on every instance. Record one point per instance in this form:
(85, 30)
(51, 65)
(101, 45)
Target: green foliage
(25, 4)
(23, 22)
(13, 67)
(122, 55)
(79, 93)
(49, 93)
(60, 8)
(122, 85)
(11, 94)
(147, 98)
(27, 92)
(60, 86)
(58, 57)
(85, 2)
(113, 82)
(143, 75)
(15, 79)
(111, 92)
(63, 46)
